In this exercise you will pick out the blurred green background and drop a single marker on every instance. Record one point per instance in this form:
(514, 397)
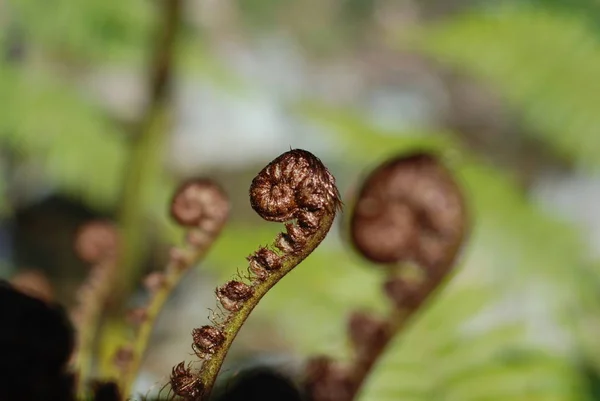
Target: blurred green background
(100, 117)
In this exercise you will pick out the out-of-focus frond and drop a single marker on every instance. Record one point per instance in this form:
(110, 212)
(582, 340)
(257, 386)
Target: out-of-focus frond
(543, 62)
(78, 148)
(93, 29)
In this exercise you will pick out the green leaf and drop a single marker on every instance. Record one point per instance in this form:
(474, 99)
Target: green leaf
(91, 29)
(78, 148)
(546, 64)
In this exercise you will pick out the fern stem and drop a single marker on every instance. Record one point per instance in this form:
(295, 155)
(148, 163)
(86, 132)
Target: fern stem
(232, 326)
(397, 320)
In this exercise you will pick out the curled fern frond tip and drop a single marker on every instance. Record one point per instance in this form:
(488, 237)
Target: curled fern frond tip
(409, 209)
(294, 186)
(200, 203)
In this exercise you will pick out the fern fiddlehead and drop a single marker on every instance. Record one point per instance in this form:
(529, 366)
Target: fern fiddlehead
(295, 188)
(409, 210)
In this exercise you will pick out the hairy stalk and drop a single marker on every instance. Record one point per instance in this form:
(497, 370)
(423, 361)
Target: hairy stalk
(211, 367)
(294, 187)
(202, 207)
(96, 243)
(409, 209)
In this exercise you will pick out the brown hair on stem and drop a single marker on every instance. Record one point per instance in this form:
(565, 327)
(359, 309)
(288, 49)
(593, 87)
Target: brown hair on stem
(201, 206)
(408, 210)
(295, 187)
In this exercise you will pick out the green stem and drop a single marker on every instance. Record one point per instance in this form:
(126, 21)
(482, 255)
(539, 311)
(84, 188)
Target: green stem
(174, 274)
(210, 368)
(397, 321)
(143, 168)
(141, 175)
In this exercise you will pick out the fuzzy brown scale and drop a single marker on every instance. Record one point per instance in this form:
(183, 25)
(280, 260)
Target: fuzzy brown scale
(233, 294)
(185, 384)
(327, 380)
(206, 340)
(262, 262)
(367, 333)
(200, 203)
(409, 209)
(404, 294)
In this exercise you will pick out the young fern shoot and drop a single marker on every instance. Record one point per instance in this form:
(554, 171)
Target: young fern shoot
(202, 207)
(408, 210)
(295, 188)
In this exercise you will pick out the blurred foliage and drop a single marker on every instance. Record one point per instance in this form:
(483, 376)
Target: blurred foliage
(81, 151)
(544, 63)
(92, 29)
(544, 59)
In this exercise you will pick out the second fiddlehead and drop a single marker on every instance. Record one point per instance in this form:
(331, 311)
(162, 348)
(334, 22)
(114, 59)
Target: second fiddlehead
(409, 217)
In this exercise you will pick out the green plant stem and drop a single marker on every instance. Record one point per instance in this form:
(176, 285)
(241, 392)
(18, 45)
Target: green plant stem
(141, 175)
(397, 321)
(211, 367)
(174, 274)
(146, 148)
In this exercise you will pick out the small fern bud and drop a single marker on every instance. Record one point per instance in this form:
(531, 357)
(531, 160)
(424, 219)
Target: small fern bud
(206, 340)
(154, 282)
(96, 241)
(327, 380)
(367, 333)
(200, 203)
(233, 294)
(185, 384)
(263, 261)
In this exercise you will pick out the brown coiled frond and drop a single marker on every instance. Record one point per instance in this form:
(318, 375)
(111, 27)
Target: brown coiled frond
(409, 213)
(294, 184)
(409, 209)
(200, 203)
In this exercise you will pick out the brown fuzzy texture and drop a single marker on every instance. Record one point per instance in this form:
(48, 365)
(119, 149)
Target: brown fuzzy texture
(184, 383)
(367, 332)
(409, 209)
(206, 340)
(233, 294)
(327, 380)
(97, 241)
(294, 182)
(200, 203)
